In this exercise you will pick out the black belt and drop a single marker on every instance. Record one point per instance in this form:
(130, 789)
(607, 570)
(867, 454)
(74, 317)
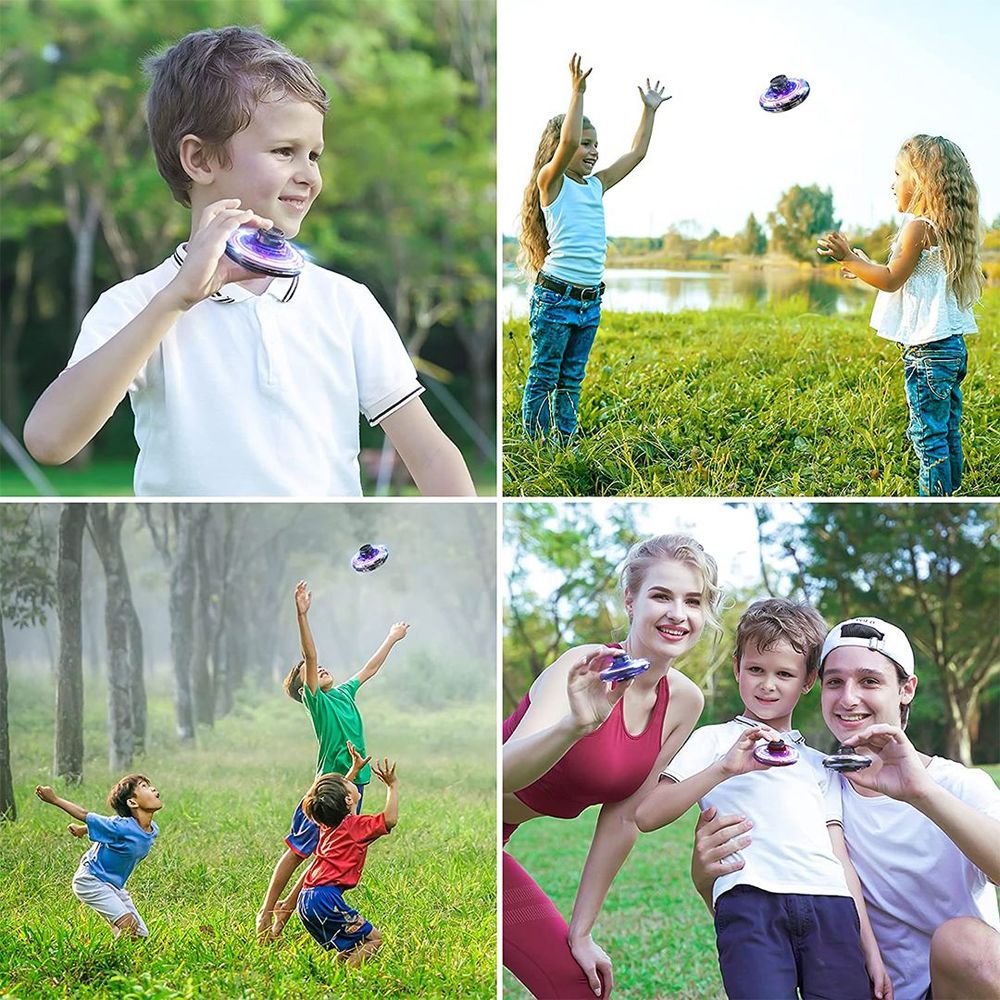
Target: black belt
(585, 293)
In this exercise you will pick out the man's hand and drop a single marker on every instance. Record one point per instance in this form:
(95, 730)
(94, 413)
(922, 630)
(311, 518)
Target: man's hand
(398, 631)
(385, 771)
(303, 598)
(716, 838)
(896, 769)
(46, 794)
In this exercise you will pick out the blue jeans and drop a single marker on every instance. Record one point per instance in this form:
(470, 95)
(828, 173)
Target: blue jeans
(934, 374)
(562, 334)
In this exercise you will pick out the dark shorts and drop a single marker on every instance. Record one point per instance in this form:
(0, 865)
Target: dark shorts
(330, 920)
(304, 834)
(773, 945)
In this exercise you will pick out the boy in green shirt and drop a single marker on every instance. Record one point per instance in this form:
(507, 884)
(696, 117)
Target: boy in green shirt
(339, 730)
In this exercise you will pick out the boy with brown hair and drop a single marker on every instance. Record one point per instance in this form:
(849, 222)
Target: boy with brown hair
(340, 732)
(793, 917)
(241, 384)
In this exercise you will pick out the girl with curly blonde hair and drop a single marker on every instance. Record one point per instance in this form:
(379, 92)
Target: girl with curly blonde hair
(563, 247)
(926, 293)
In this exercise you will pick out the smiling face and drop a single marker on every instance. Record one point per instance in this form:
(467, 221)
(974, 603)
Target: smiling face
(584, 159)
(903, 186)
(771, 683)
(860, 688)
(667, 611)
(273, 165)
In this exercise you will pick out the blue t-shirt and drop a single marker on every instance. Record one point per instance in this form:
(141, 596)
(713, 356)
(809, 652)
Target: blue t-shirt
(119, 845)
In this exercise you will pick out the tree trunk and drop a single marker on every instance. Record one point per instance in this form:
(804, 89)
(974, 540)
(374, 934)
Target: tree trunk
(204, 697)
(69, 675)
(182, 584)
(8, 807)
(106, 533)
(138, 680)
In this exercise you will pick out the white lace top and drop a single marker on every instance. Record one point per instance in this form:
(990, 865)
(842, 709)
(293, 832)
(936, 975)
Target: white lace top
(925, 308)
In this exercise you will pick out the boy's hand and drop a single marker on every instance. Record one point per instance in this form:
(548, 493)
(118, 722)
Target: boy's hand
(740, 759)
(303, 598)
(576, 72)
(385, 771)
(77, 829)
(398, 631)
(652, 97)
(357, 761)
(46, 793)
(881, 983)
(206, 267)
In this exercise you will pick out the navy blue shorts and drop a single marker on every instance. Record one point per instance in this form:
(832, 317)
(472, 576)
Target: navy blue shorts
(773, 945)
(304, 834)
(330, 920)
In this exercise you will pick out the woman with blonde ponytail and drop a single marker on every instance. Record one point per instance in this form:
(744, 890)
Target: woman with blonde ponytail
(563, 247)
(926, 293)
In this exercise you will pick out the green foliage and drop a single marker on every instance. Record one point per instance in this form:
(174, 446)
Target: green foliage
(802, 214)
(27, 585)
(430, 887)
(773, 401)
(752, 240)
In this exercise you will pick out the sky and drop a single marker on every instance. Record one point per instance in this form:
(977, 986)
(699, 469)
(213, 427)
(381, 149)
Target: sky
(878, 71)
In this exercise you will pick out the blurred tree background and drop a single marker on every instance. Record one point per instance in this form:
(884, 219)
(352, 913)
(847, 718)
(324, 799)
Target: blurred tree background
(932, 569)
(408, 205)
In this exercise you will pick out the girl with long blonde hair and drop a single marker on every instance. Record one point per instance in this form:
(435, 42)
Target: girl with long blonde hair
(563, 248)
(926, 293)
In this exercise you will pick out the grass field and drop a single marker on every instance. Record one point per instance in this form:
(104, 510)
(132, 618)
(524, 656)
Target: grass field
(654, 925)
(771, 402)
(430, 887)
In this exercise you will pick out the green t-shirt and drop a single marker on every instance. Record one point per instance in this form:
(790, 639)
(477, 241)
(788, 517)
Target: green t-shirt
(336, 719)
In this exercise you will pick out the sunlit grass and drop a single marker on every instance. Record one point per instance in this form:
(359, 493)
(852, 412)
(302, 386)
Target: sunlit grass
(776, 401)
(429, 887)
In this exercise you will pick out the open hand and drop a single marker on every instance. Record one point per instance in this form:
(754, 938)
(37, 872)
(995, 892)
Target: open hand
(896, 769)
(652, 96)
(398, 631)
(590, 698)
(716, 839)
(385, 771)
(303, 598)
(46, 793)
(834, 246)
(357, 761)
(576, 72)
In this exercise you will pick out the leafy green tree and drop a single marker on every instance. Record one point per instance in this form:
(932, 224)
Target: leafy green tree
(752, 240)
(802, 214)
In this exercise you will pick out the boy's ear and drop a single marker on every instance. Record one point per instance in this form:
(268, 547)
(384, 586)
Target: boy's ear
(736, 667)
(196, 160)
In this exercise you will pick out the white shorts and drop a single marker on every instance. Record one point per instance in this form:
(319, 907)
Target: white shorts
(110, 902)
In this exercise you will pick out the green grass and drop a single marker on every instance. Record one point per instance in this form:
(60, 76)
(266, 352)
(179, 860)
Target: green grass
(775, 401)
(430, 887)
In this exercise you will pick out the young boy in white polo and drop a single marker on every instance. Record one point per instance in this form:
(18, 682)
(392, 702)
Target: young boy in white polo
(120, 842)
(241, 385)
(924, 832)
(792, 918)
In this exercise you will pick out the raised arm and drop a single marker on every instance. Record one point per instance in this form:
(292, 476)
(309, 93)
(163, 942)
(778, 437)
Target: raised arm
(46, 794)
(386, 773)
(303, 601)
(568, 701)
(551, 174)
(652, 98)
(616, 834)
(885, 277)
(371, 668)
(869, 946)
(357, 761)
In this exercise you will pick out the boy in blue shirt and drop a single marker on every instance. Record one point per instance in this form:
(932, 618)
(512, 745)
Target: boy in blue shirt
(120, 842)
(242, 384)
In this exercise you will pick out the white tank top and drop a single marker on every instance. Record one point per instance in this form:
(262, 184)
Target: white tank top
(925, 308)
(575, 226)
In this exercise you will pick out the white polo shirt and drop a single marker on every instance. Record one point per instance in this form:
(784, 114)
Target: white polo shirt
(790, 807)
(257, 395)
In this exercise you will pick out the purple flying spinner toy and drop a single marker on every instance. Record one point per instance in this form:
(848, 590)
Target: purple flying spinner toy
(370, 557)
(783, 94)
(776, 753)
(624, 667)
(845, 759)
(265, 251)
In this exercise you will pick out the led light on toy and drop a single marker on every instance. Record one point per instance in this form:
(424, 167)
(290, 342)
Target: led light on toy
(265, 251)
(783, 94)
(370, 557)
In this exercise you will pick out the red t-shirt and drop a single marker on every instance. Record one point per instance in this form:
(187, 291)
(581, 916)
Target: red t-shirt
(340, 854)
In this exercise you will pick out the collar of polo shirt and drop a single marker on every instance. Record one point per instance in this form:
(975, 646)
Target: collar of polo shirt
(280, 288)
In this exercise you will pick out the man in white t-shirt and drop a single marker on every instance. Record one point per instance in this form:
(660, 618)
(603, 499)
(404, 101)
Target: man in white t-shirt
(242, 384)
(923, 832)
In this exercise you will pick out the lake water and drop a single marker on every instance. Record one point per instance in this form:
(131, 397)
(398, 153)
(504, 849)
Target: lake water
(647, 290)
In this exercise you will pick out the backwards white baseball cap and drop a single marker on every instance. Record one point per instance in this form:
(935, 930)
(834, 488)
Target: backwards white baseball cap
(871, 633)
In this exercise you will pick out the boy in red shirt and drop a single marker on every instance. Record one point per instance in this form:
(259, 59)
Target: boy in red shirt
(340, 857)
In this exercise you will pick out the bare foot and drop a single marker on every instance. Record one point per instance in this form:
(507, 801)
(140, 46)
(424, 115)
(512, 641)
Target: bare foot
(77, 829)
(264, 918)
(282, 911)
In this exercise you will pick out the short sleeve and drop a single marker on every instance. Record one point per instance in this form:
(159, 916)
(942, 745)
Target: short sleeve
(103, 829)
(369, 828)
(385, 374)
(110, 314)
(832, 803)
(697, 753)
(350, 688)
(974, 787)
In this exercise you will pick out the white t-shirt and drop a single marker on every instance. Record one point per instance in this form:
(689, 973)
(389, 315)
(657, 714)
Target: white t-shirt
(914, 877)
(257, 395)
(790, 807)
